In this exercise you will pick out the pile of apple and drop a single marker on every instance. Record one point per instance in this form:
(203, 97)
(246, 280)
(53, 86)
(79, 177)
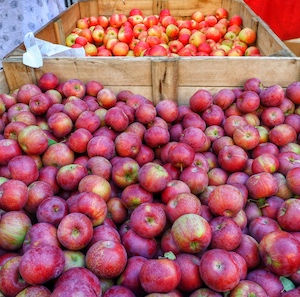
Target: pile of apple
(106, 194)
(138, 35)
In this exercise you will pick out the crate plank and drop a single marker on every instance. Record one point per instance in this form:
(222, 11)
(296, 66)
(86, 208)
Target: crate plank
(159, 78)
(3, 83)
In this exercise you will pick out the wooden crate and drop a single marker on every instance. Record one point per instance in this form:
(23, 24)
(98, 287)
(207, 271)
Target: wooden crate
(160, 78)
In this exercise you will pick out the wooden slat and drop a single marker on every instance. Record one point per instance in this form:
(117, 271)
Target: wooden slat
(3, 84)
(164, 79)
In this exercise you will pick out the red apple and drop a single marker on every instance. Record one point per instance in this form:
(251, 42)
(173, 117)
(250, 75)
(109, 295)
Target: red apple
(274, 248)
(99, 252)
(219, 270)
(13, 195)
(168, 271)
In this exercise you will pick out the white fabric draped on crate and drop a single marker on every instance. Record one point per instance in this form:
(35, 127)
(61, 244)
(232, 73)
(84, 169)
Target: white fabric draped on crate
(18, 17)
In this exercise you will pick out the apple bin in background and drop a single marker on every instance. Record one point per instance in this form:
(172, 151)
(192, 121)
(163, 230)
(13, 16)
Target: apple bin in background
(154, 77)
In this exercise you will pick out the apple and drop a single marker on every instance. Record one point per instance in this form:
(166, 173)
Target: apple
(23, 168)
(265, 162)
(267, 280)
(130, 276)
(116, 119)
(125, 172)
(195, 177)
(99, 165)
(180, 154)
(230, 206)
(205, 292)
(292, 92)
(134, 195)
(51, 210)
(287, 161)
(281, 240)
(272, 116)
(272, 95)
(13, 195)
(116, 210)
(118, 290)
(74, 87)
(40, 234)
(201, 100)
(248, 101)
(48, 81)
(101, 146)
(247, 287)
(38, 290)
(148, 219)
(69, 176)
(99, 252)
(182, 203)
(75, 231)
(191, 233)
(247, 35)
(219, 270)
(10, 284)
(232, 158)
(249, 250)
(60, 124)
(74, 106)
(291, 180)
(35, 259)
(282, 134)
(137, 245)
(261, 226)
(26, 91)
(163, 268)
(58, 155)
(246, 137)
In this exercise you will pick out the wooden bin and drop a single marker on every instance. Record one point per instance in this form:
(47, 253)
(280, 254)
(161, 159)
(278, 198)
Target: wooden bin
(160, 78)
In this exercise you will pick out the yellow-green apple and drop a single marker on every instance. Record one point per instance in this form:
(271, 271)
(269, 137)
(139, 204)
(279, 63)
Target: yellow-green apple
(247, 35)
(70, 39)
(197, 38)
(82, 23)
(191, 233)
(198, 16)
(96, 184)
(125, 172)
(14, 226)
(9, 284)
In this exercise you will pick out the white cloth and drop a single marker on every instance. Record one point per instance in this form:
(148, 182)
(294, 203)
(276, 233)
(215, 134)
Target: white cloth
(18, 17)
